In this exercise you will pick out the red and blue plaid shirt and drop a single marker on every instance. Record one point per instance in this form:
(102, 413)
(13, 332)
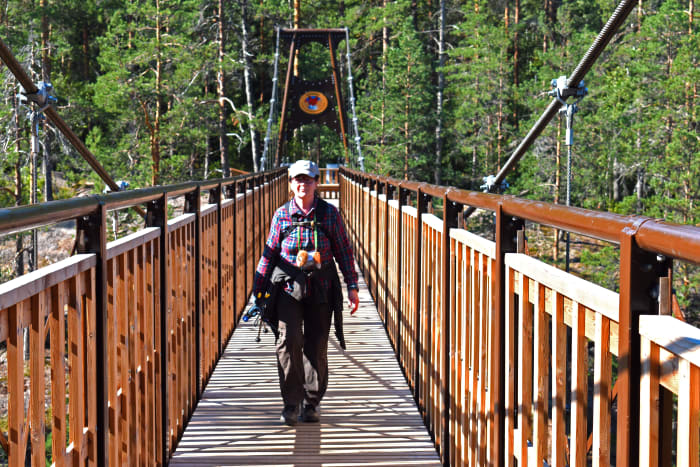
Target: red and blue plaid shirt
(332, 242)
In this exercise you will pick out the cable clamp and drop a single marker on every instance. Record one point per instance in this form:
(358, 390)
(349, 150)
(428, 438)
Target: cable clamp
(562, 91)
(42, 97)
(490, 184)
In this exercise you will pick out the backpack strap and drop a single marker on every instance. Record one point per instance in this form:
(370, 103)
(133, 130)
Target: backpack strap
(319, 216)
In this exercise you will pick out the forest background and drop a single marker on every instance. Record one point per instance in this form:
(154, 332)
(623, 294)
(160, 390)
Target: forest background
(170, 90)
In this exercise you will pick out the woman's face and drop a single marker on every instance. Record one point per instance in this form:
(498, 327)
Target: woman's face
(303, 187)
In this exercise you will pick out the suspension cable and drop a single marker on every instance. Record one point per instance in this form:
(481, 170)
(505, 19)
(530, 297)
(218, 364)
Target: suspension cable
(273, 102)
(356, 129)
(624, 8)
(33, 93)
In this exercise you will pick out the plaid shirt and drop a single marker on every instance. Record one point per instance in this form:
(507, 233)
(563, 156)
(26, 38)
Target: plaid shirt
(302, 237)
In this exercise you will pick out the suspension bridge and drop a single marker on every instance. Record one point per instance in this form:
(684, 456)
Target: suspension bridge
(467, 349)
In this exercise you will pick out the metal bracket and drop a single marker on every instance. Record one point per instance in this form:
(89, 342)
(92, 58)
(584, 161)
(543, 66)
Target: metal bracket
(562, 91)
(490, 184)
(42, 97)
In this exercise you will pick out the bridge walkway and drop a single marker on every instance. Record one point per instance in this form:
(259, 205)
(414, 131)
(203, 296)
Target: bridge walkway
(368, 416)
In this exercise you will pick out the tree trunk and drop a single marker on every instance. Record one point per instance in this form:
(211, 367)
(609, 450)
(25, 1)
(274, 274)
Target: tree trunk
(220, 80)
(155, 130)
(516, 51)
(248, 65)
(557, 187)
(499, 123)
(19, 242)
(440, 90)
(385, 50)
(46, 75)
(297, 20)
(86, 53)
(406, 127)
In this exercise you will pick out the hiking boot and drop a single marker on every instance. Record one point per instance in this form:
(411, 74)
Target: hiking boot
(311, 414)
(290, 415)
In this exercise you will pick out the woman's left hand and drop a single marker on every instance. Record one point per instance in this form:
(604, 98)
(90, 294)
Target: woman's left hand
(354, 299)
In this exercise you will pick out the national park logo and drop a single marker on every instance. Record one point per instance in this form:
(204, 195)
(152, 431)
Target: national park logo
(313, 102)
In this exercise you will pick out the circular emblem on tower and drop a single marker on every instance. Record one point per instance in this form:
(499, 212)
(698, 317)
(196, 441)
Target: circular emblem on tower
(313, 102)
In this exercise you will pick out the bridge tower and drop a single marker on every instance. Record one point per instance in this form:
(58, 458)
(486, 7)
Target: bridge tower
(312, 101)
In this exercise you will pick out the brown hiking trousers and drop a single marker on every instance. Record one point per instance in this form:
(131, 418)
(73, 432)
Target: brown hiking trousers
(302, 350)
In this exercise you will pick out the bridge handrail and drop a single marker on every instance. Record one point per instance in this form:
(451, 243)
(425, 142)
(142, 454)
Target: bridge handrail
(471, 326)
(651, 234)
(145, 318)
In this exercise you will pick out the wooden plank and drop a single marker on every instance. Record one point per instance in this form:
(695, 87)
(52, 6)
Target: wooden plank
(76, 367)
(510, 369)
(482, 263)
(476, 242)
(149, 330)
(649, 401)
(132, 392)
(112, 375)
(688, 440)
(57, 334)
(494, 401)
(28, 285)
(525, 365)
(141, 352)
(579, 389)
(132, 241)
(36, 365)
(121, 306)
(90, 352)
(579, 290)
(673, 335)
(559, 348)
(366, 419)
(15, 386)
(158, 349)
(540, 377)
(602, 376)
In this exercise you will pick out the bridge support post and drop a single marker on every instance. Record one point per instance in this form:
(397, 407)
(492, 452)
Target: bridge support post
(389, 192)
(422, 207)
(639, 290)
(450, 214)
(92, 238)
(507, 228)
(402, 195)
(377, 191)
(230, 191)
(157, 216)
(193, 206)
(215, 198)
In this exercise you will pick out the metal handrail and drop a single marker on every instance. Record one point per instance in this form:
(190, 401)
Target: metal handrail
(21, 218)
(672, 240)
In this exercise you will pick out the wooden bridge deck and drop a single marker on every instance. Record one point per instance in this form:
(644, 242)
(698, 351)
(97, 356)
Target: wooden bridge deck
(368, 415)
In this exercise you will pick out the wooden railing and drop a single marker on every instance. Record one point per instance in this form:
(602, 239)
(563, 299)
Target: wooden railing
(130, 329)
(328, 184)
(496, 344)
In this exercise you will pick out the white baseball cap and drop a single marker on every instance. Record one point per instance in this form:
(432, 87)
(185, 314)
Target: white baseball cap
(303, 167)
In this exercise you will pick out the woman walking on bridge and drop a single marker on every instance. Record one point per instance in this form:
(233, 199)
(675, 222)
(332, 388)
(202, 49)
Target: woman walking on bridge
(298, 271)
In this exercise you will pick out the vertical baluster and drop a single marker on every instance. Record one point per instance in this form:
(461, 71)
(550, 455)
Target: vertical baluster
(525, 317)
(579, 387)
(688, 438)
(36, 366)
(541, 376)
(649, 405)
(559, 347)
(602, 377)
(15, 387)
(57, 333)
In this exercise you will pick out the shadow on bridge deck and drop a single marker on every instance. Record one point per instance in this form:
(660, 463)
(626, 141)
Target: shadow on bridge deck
(368, 415)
